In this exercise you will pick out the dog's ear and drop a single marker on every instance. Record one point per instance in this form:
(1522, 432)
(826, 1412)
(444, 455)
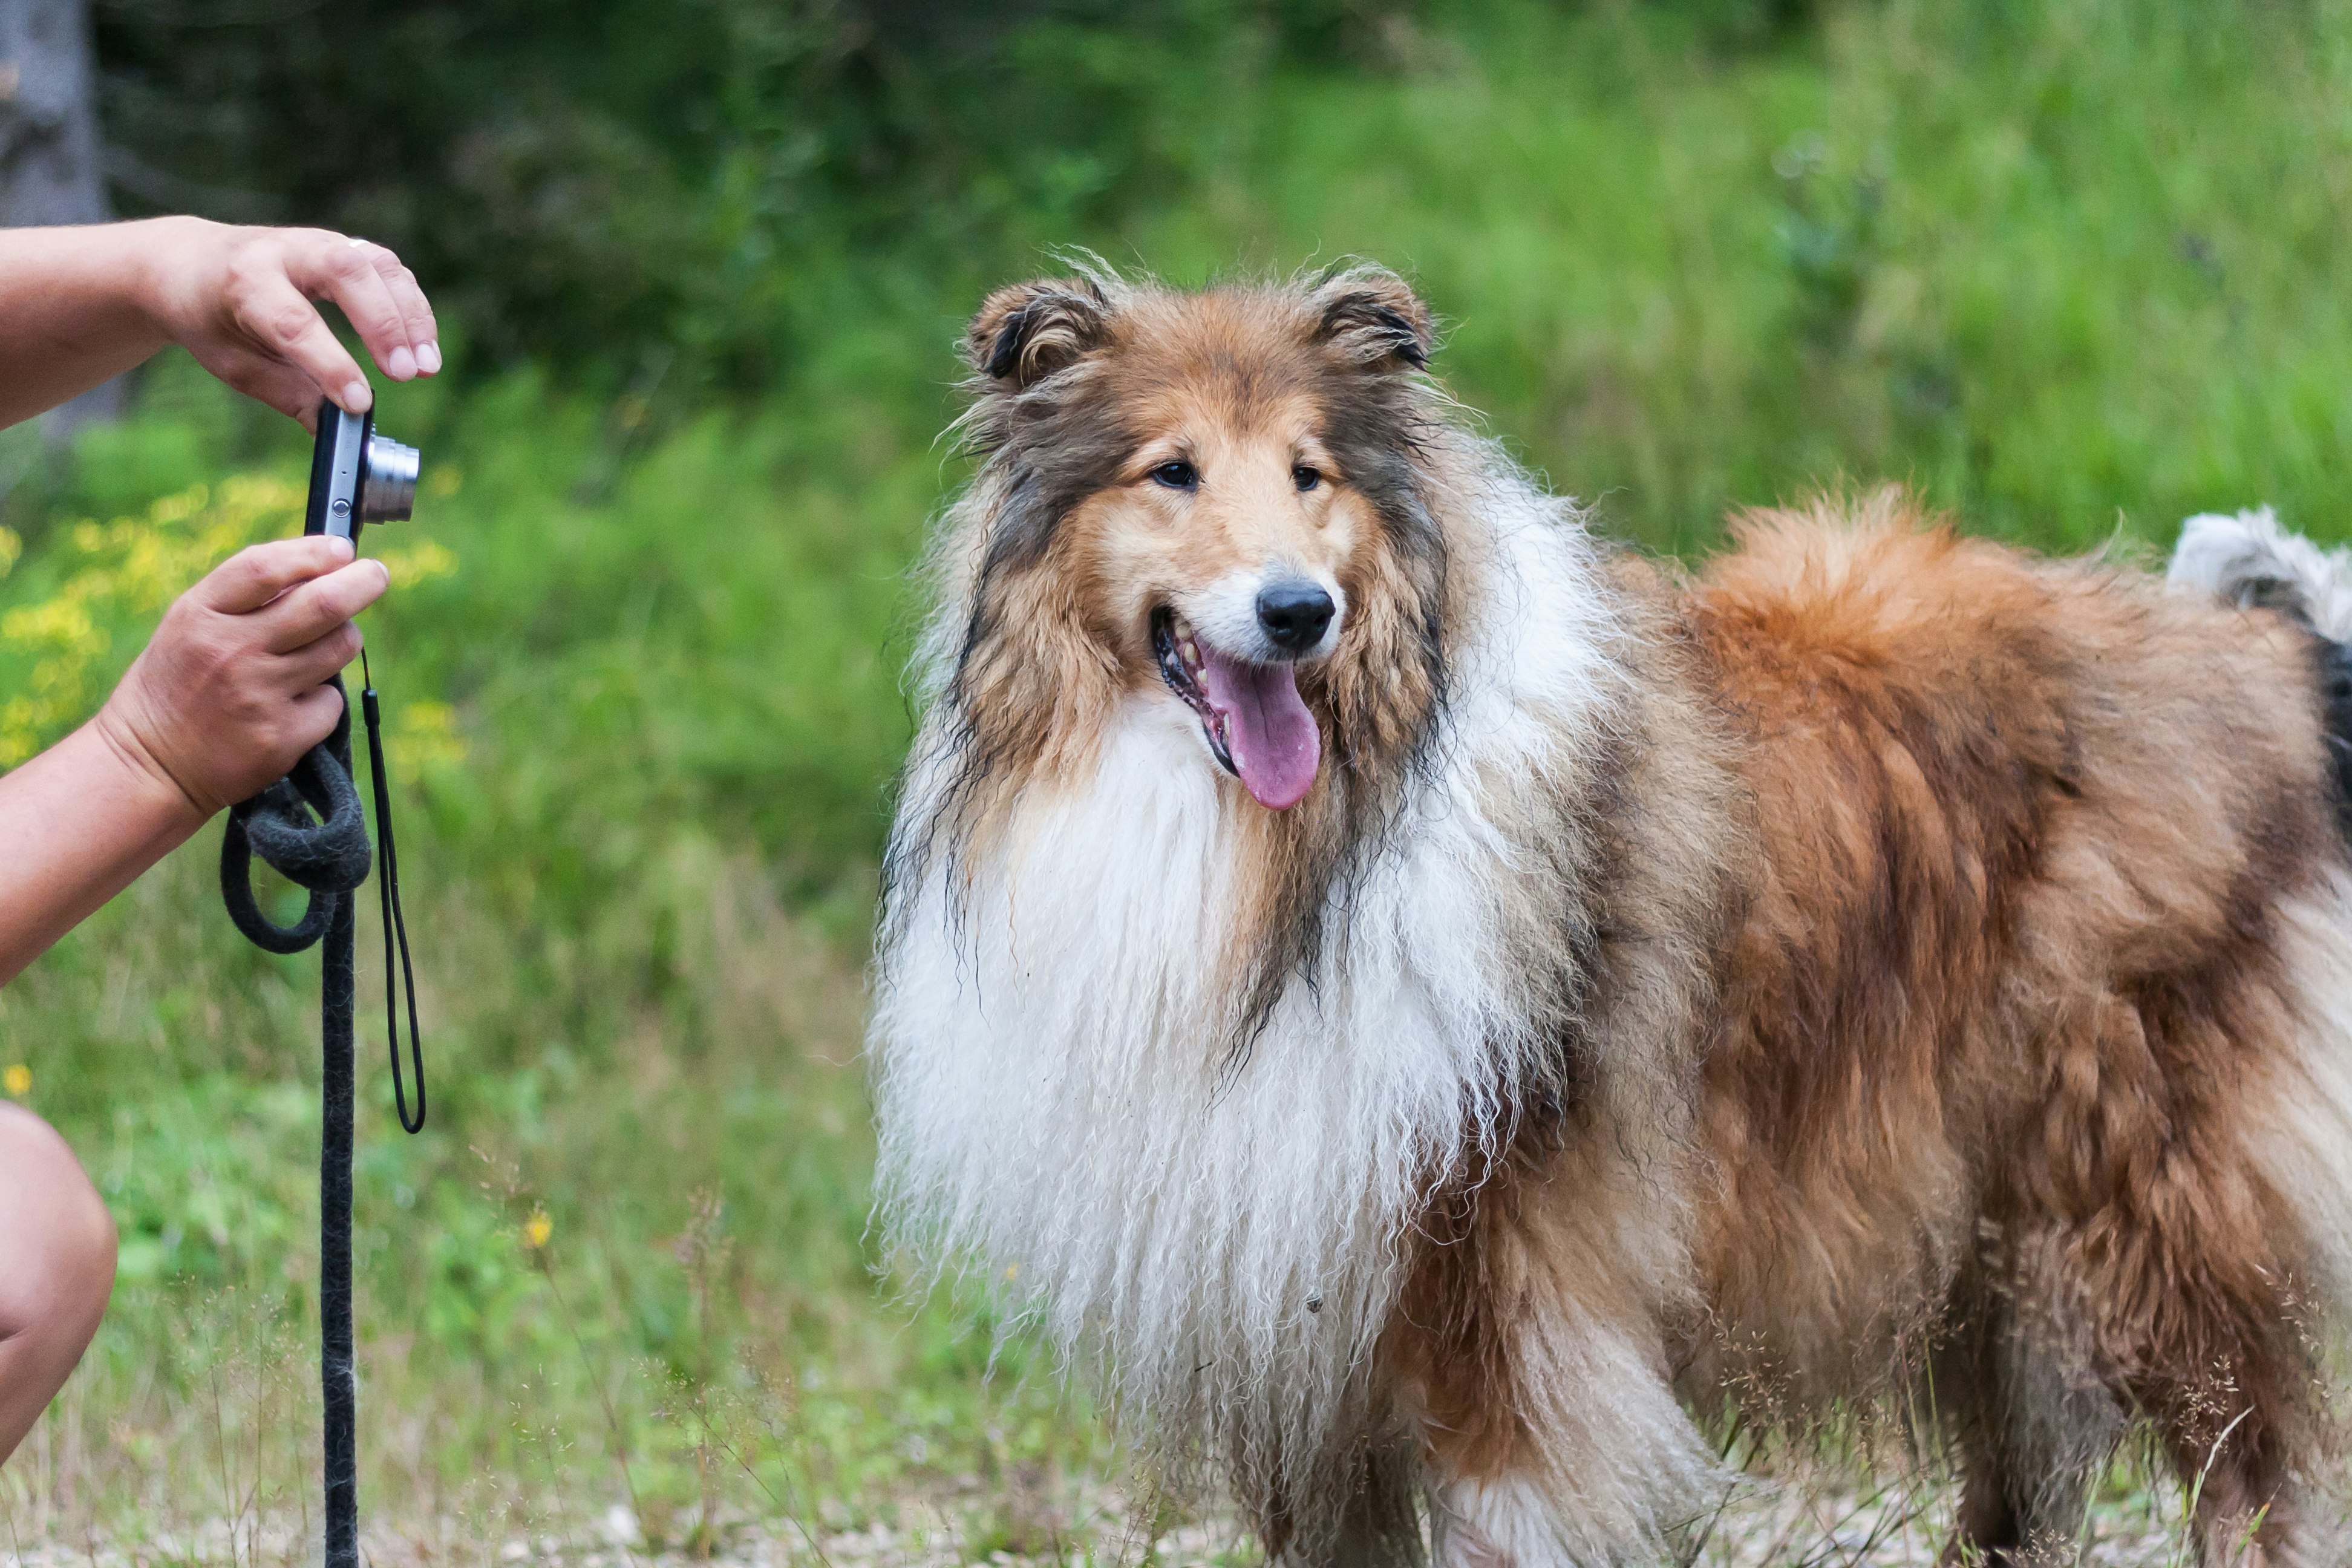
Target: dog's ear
(1373, 317)
(1028, 331)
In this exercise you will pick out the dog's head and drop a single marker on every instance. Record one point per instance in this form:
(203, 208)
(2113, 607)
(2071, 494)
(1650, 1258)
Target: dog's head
(1214, 500)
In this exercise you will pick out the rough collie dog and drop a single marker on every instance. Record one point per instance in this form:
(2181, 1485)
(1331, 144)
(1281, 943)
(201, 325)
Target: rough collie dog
(1433, 1009)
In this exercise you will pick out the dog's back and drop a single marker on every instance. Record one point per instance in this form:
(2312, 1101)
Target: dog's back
(2035, 1030)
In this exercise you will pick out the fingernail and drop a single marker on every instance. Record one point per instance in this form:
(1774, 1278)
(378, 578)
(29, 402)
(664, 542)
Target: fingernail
(338, 547)
(429, 356)
(400, 364)
(356, 397)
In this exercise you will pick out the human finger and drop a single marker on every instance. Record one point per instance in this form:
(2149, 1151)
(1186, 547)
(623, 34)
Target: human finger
(311, 609)
(312, 663)
(260, 573)
(276, 316)
(408, 297)
(266, 380)
(344, 270)
(313, 716)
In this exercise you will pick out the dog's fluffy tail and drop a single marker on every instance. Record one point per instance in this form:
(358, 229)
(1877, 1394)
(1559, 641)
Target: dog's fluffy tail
(2301, 1132)
(2249, 560)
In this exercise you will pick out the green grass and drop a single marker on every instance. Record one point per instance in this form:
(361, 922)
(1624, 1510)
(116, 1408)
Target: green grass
(2069, 268)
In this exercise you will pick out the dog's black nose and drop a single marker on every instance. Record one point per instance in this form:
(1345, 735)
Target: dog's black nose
(1294, 614)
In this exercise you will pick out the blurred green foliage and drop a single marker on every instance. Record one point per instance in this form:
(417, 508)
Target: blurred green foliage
(2071, 267)
(622, 175)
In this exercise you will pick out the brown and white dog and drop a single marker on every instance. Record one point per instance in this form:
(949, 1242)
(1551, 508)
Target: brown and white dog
(1432, 1008)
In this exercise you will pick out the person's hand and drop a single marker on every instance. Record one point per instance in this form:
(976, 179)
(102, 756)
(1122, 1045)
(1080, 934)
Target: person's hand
(230, 692)
(240, 300)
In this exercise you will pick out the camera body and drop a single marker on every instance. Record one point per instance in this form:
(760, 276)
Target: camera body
(357, 477)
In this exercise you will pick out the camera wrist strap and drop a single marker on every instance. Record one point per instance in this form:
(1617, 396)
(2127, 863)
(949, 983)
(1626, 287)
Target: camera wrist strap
(308, 828)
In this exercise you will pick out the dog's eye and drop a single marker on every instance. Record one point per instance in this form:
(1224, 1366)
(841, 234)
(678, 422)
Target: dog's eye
(1177, 475)
(1305, 478)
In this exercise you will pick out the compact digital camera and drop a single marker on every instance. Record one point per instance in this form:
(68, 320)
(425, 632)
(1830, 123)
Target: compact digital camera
(357, 477)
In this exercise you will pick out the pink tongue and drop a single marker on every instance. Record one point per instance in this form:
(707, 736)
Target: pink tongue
(1271, 734)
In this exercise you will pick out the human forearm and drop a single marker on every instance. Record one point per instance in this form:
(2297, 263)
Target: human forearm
(78, 825)
(75, 308)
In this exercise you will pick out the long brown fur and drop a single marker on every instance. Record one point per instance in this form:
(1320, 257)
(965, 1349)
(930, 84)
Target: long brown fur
(1911, 923)
(2025, 828)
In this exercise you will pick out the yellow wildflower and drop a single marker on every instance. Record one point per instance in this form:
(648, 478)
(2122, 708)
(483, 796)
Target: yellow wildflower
(17, 1080)
(536, 1231)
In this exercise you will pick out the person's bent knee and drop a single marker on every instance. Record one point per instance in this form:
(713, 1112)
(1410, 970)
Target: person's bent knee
(58, 1243)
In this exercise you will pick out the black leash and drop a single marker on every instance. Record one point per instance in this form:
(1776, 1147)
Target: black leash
(309, 826)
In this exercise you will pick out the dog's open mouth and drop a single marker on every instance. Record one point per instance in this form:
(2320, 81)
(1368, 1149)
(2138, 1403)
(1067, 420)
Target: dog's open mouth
(1257, 725)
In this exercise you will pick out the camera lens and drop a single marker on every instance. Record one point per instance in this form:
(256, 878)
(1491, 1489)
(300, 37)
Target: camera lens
(387, 481)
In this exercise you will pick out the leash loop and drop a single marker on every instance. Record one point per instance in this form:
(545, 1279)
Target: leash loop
(306, 827)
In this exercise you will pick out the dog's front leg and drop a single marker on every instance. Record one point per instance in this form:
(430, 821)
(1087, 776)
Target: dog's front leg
(1566, 1449)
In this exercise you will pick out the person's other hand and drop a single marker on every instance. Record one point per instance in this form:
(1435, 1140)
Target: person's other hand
(240, 300)
(231, 691)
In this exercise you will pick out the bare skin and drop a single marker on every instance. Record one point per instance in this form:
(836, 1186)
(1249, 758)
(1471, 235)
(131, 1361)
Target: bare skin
(225, 697)
(60, 1269)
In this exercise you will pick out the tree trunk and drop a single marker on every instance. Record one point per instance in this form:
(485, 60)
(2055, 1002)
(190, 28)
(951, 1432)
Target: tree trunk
(52, 162)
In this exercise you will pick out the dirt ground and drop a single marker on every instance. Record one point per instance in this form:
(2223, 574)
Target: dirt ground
(1764, 1526)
